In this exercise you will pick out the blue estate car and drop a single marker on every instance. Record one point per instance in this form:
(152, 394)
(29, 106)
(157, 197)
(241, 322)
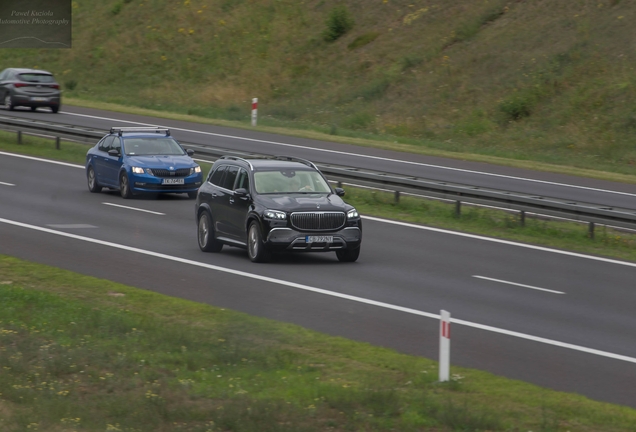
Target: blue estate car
(139, 160)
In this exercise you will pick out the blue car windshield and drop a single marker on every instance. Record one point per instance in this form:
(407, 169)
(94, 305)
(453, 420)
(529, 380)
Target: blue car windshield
(152, 147)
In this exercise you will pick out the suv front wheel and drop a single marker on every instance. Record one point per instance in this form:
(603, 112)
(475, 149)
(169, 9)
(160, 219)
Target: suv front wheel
(255, 247)
(348, 255)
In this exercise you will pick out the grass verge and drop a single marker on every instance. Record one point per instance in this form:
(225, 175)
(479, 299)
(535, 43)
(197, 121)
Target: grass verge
(84, 354)
(489, 222)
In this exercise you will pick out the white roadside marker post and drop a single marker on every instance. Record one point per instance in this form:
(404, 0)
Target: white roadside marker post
(254, 110)
(444, 346)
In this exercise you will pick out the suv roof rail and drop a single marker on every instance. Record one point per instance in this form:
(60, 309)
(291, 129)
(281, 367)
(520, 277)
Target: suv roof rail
(296, 159)
(237, 158)
(121, 130)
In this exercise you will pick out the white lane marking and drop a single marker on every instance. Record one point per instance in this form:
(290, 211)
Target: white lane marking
(500, 241)
(6, 184)
(42, 160)
(363, 156)
(326, 292)
(518, 284)
(70, 226)
(133, 208)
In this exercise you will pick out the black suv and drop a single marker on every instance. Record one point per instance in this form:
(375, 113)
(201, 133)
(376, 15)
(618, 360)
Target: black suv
(274, 204)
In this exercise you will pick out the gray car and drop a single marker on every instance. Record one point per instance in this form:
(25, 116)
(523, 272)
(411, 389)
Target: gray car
(31, 88)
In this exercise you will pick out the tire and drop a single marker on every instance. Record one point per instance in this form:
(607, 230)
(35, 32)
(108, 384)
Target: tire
(192, 195)
(93, 186)
(124, 186)
(255, 247)
(348, 255)
(34, 108)
(55, 109)
(205, 234)
(8, 102)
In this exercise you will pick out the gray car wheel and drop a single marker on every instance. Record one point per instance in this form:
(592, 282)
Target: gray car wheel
(255, 247)
(205, 234)
(93, 186)
(8, 102)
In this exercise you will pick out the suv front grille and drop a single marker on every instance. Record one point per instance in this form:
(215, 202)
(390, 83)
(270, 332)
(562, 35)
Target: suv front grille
(317, 221)
(181, 172)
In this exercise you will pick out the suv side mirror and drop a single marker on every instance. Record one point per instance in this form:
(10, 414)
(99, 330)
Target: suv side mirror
(339, 191)
(241, 193)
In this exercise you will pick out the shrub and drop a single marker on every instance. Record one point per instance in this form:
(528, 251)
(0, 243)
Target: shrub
(339, 22)
(517, 106)
(117, 8)
(70, 84)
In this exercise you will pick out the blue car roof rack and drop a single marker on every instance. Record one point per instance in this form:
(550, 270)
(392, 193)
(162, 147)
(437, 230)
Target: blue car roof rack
(122, 130)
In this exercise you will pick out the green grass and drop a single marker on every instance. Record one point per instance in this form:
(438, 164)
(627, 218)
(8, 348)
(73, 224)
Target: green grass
(564, 235)
(85, 354)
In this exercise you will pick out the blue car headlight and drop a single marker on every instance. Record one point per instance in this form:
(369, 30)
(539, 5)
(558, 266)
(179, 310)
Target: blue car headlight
(196, 169)
(137, 170)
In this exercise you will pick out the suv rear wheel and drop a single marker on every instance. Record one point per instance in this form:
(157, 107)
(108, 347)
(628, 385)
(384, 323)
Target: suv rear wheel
(205, 234)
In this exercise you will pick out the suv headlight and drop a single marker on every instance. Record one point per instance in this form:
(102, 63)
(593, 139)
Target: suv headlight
(275, 214)
(353, 214)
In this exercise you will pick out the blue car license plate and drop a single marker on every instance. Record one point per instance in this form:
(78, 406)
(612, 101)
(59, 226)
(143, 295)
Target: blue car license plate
(172, 181)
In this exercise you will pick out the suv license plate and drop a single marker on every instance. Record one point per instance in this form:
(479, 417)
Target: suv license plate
(319, 239)
(169, 181)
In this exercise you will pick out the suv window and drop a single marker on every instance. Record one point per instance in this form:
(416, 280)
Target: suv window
(243, 180)
(230, 177)
(217, 175)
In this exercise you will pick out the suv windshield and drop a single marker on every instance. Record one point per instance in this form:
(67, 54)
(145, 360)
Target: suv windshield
(289, 181)
(152, 146)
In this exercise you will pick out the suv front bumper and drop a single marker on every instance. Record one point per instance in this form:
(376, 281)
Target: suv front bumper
(289, 239)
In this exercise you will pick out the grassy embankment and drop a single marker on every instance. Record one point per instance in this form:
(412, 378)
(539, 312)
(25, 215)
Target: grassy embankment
(550, 82)
(83, 354)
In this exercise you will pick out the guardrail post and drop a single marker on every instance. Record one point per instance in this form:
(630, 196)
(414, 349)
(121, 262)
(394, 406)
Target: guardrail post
(57, 142)
(396, 197)
(19, 137)
(522, 218)
(458, 208)
(590, 230)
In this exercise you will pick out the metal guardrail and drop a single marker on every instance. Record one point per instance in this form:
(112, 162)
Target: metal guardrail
(585, 212)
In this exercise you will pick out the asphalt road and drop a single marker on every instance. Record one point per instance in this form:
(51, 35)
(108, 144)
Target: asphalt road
(558, 320)
(450, 170)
